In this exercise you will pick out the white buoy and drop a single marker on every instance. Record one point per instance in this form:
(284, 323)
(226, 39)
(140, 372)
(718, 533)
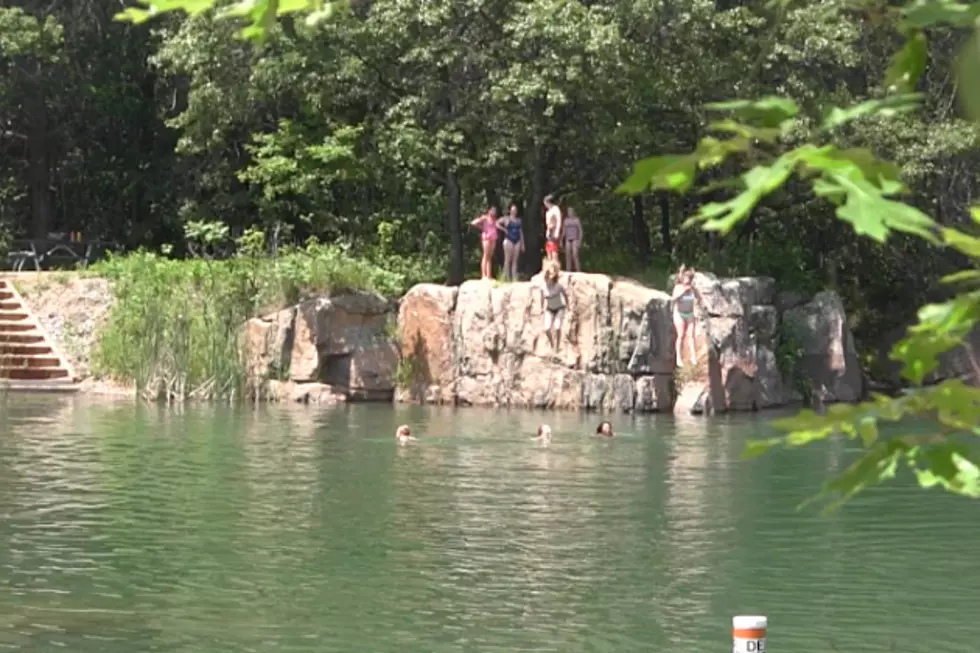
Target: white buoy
(749, 634)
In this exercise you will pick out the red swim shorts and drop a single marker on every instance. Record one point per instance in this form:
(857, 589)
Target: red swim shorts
(551, 247)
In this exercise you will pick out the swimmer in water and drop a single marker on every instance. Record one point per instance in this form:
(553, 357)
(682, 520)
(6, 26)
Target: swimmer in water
(544, 434)
(604, 429)
(404, 434)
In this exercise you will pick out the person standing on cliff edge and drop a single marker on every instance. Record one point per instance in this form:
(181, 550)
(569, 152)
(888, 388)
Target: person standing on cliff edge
(487, 224)
(684, 297)
(552, 228)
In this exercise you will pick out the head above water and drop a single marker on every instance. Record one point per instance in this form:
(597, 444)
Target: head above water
(605, 429)
(544, 432)
(403, 431)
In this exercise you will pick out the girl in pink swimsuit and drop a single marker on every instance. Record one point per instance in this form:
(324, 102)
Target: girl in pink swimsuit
(487, 224)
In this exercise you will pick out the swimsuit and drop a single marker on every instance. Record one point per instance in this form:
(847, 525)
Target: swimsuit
(488, 231)
(551, 246)
(553, 298)
(513, 231)
(685, 304)
(573, 231)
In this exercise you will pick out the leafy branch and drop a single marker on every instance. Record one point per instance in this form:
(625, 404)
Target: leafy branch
(866, 192)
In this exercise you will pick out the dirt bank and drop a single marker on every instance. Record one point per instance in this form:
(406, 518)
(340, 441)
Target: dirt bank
(72, 308)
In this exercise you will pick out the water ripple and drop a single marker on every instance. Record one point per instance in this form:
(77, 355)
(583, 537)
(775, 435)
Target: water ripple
(209, 529)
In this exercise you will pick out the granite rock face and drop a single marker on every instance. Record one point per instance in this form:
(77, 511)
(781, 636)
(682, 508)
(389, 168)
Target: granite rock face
(739, 332)
(324, 350)
(483, 344)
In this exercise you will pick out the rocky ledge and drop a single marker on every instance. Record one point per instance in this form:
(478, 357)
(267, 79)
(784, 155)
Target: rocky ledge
(324, 350)
(483, 344)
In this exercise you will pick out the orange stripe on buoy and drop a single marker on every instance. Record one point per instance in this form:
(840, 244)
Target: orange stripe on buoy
(749, 633)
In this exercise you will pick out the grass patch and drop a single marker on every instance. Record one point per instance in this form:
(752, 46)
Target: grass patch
(174, 329)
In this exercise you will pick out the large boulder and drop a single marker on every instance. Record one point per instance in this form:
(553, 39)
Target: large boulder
(487, 346)
(425, 326)
(345, 342)
(736, 329)
(829, 361)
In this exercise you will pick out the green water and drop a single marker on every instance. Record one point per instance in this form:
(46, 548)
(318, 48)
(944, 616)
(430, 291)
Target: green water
(134, 528)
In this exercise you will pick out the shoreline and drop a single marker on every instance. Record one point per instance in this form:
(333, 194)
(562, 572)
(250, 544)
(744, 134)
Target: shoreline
(472, 345)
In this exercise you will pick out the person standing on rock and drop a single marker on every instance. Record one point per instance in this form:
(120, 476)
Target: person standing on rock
(487, 224)
(552, 228)
(684, 297)
(555, 299)
(571, 235)
(513, 241)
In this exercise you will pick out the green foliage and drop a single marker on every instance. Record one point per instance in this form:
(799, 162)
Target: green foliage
(789, 360)
(175, 326)
(865, 191)
(259, 15)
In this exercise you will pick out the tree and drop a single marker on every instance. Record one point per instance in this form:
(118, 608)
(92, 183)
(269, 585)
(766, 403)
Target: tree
(864, 191)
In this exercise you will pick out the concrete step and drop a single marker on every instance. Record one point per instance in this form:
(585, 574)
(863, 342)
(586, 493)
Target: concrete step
(53, 385)
(30, 337)
(32, 373)
(7, 360)
(13, 316)
(6, 295)
(16, 327)
(39, 349)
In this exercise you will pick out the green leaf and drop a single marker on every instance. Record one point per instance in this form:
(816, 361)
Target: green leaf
(671, 172)
(765, 134)
(867, 429)
(756, 448)
(950, 467)
(768, 112)
(875, 216)
(968, 77)
(134, 15)
(855, 162)
(759, 182)
(961, 242)
(879, 463)
(975, 214)
(963, 276)
(941, 327)
(712, 152)
(887, 107)
(929, 13)
(908, 64)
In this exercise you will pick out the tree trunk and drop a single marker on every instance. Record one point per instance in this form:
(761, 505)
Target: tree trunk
(668, 242)
(641, 233)
(534, 216)
(39, 170)
(454, 208)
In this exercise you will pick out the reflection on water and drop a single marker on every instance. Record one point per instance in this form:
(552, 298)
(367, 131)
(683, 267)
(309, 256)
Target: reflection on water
(130, 528)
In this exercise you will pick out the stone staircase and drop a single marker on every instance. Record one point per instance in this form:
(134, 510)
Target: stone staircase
(29, 359)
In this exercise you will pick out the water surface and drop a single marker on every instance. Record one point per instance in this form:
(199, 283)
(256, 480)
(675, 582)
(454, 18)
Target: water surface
(136, 528)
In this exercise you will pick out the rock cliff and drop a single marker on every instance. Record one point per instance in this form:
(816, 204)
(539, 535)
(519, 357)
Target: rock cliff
(485, 344)
(324, 350)
(760, 348)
